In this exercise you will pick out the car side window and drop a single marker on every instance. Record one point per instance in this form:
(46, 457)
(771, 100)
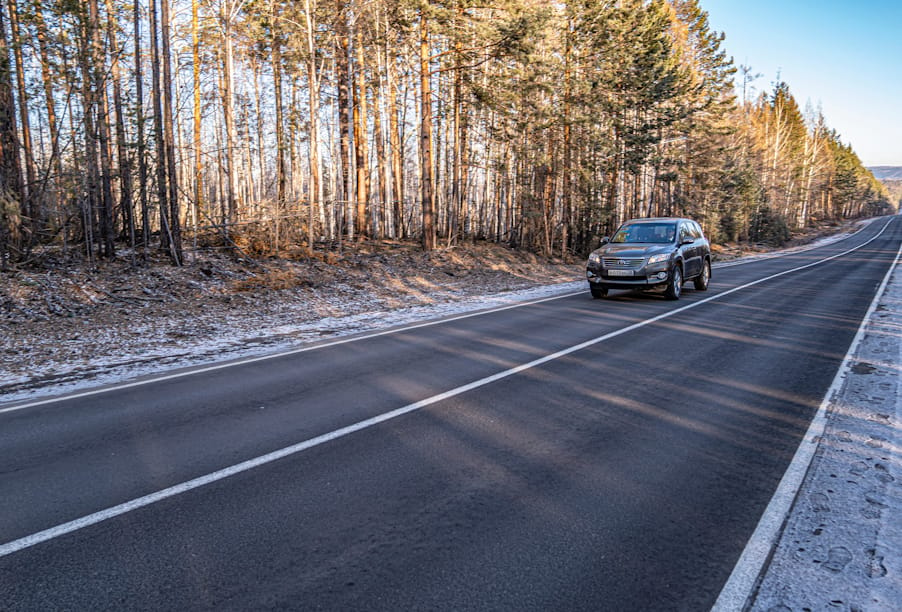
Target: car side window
(698, 230)
(684, 232)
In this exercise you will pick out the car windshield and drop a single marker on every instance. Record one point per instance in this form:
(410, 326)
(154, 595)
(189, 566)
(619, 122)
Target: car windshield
(645, 232)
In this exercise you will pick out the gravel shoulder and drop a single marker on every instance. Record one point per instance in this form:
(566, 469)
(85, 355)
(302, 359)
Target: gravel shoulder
(841, 546)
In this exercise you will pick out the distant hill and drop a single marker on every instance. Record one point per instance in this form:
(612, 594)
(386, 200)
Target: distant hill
(891, 177)
(887, 173)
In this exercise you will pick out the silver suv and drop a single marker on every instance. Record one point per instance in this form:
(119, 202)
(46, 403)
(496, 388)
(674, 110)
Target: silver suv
(657, 254)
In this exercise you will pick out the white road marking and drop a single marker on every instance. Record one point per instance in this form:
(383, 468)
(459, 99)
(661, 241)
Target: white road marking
(304, 349)
(743, 580)
(793, 251)
(103, 515)
(230, 364)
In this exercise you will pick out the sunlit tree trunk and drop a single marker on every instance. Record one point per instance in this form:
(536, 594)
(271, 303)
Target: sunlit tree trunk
(456, 221)
(566, 171)
(228, 102)
(316, 187)
(139, 127)
(361, 150)
(397, 152)
(197, 205)
(427, 194)
(342, 76)
(383, 168)
(280, 115)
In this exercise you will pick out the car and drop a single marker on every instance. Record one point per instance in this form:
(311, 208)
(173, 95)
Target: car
(652, 254)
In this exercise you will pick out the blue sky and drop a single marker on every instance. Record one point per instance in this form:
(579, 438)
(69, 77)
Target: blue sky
(843, 55)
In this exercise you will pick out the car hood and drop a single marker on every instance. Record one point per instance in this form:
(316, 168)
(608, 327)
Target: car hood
(633, 250)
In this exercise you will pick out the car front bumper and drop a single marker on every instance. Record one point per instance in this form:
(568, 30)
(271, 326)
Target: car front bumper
(645, 279)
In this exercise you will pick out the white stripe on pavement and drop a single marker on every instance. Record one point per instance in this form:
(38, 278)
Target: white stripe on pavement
(743, 580)
(103, 515)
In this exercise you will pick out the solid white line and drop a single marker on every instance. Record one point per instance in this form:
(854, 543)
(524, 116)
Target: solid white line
(740, 586)
(232, 364)
(97, 517)
(792, 251)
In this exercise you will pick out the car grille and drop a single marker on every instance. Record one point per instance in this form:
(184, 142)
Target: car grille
(623, 262)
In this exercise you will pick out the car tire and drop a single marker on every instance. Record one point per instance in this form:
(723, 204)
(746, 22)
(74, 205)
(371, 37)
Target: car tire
(675, 286)
(701, 281)
(598, 292)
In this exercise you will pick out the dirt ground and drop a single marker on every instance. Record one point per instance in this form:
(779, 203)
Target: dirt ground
(57, 318)
(62, 320)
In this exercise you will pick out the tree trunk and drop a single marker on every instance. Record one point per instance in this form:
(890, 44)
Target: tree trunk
(360, 142)
(139, 122)
(397, 154)
(102, 125)
(10, 170)
(342, 76)
(456, 221)
(566, 187)
(316, 187)
(30, 204)
(426, 188)
(198, 160)
(169, 149)
(166, 241)
(91, 177)
(125, 172)
(229, 115)
(52, 120)
(280, 119)
(383, 169)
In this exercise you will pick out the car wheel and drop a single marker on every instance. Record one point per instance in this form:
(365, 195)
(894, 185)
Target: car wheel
(598, 293)
(675, 286)
(701, 281)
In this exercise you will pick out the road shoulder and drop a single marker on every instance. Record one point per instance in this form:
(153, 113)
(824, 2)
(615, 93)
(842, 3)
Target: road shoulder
(840, 547)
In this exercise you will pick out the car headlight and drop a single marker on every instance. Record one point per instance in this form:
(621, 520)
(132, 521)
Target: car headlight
(658, 258)
(595, 258)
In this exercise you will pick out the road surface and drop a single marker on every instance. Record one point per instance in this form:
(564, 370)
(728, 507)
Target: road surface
(567, 454)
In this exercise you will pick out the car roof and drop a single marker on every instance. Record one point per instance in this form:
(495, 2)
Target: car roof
(655, 220)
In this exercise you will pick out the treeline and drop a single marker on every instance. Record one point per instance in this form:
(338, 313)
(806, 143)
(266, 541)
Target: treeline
(311, 122)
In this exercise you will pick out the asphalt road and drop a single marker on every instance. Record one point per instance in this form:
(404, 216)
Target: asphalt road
(627, 471)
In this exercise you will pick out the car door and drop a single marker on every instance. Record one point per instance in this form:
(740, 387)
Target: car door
(689, 246)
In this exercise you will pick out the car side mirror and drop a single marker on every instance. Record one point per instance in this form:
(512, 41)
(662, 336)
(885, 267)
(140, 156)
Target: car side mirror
(604, 241)
(687, 240)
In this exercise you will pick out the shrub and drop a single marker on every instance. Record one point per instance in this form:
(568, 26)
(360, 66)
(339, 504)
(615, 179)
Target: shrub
(769, 227)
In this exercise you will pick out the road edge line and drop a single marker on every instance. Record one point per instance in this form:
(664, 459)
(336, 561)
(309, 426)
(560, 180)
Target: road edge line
(28, 541)
(374, 334)
(302, 349)
(747, 259)
(740, 586)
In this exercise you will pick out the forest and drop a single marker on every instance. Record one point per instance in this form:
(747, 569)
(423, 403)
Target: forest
(291, 127)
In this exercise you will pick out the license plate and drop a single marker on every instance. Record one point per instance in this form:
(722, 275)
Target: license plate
(620, 272)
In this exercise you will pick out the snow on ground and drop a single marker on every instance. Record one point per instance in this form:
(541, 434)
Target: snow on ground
(240, 338)
(67, 331)
(840, 548)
